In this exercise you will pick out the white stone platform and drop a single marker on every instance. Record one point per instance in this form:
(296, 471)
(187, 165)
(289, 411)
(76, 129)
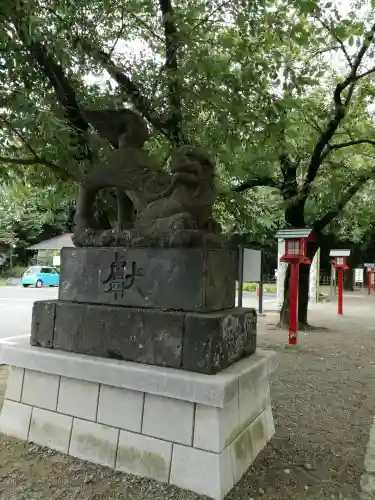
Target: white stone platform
(198, 432)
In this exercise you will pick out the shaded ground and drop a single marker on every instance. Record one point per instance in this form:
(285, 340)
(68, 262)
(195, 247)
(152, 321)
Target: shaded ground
(324, 401)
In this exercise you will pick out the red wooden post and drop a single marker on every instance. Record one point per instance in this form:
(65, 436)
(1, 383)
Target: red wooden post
(295, 254)
(369, 274)
(340, 265)
(341, 288)
(293, 303)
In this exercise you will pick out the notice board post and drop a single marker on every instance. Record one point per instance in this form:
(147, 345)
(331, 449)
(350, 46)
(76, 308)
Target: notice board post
(240, 275)
(260, 298)
(250, 271)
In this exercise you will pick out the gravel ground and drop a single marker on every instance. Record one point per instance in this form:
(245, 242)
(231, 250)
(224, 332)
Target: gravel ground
(323, 401)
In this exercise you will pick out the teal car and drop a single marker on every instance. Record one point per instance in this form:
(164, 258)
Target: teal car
(39, 276)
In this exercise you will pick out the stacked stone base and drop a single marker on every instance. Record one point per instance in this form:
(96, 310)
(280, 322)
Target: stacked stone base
(195, 431)
(198, 342)
(164, 307)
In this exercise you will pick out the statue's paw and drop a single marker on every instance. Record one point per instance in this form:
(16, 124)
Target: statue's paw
(181, 221)
(212, 226)
(125, 237)
(106, 238)
(83, 237)
(211, 240)
(194, 238)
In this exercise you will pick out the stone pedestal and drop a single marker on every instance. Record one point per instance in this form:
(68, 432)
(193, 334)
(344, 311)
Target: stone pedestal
(138, 334)
(113, 413)
(161, 306)
(191, 279)
(200, 342)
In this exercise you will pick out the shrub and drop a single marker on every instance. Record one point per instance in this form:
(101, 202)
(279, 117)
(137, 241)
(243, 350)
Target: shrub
(251, 287)
(16, 272)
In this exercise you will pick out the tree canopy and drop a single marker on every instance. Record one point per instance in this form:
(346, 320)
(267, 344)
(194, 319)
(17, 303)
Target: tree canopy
(280, 94)
(30, 214)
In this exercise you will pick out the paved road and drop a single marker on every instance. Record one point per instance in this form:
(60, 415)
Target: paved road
(15, 310)
(16, 307)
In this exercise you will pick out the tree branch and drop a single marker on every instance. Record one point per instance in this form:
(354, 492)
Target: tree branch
(320, 224)
(171, 64)
(119, 33)
(61, 172)
(347, 144)
(338, 39)
(65, 95)
(20, 137)
(256, 182)
(55, 75)
(210, 14)
(362, 51)
(339, 113)
(310, 120)
(366, 73)
(145, 25)
(131, 89)
(24, 161)
(323, 51)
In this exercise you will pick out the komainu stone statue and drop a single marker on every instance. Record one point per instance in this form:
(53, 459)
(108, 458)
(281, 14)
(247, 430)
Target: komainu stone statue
(162, 290)
(173, 210)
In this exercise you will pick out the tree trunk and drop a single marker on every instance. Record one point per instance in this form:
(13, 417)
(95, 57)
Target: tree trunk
(303, 294)
(303, 291)
(284, 313)
(349, 280)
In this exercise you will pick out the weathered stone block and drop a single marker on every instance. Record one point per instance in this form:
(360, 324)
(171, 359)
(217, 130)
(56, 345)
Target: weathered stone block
(145, 336)
(215, 428)
(242, 456)
(144, 456)
(214, 341)
(270, 424)
(260, 371)
(258, 432)
(120, 408)
(94, 442)
(15, 419)
(249, 405)
(14, 383)
(161, 278)
(263, 393)
(40, 389)
(78, 398)
(199, 342)
(168, 418)
(50, 429)
(205, 473)
(43, 320)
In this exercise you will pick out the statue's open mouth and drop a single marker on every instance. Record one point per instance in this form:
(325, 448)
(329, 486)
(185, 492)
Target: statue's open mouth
(187, 176)
(188, 172)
